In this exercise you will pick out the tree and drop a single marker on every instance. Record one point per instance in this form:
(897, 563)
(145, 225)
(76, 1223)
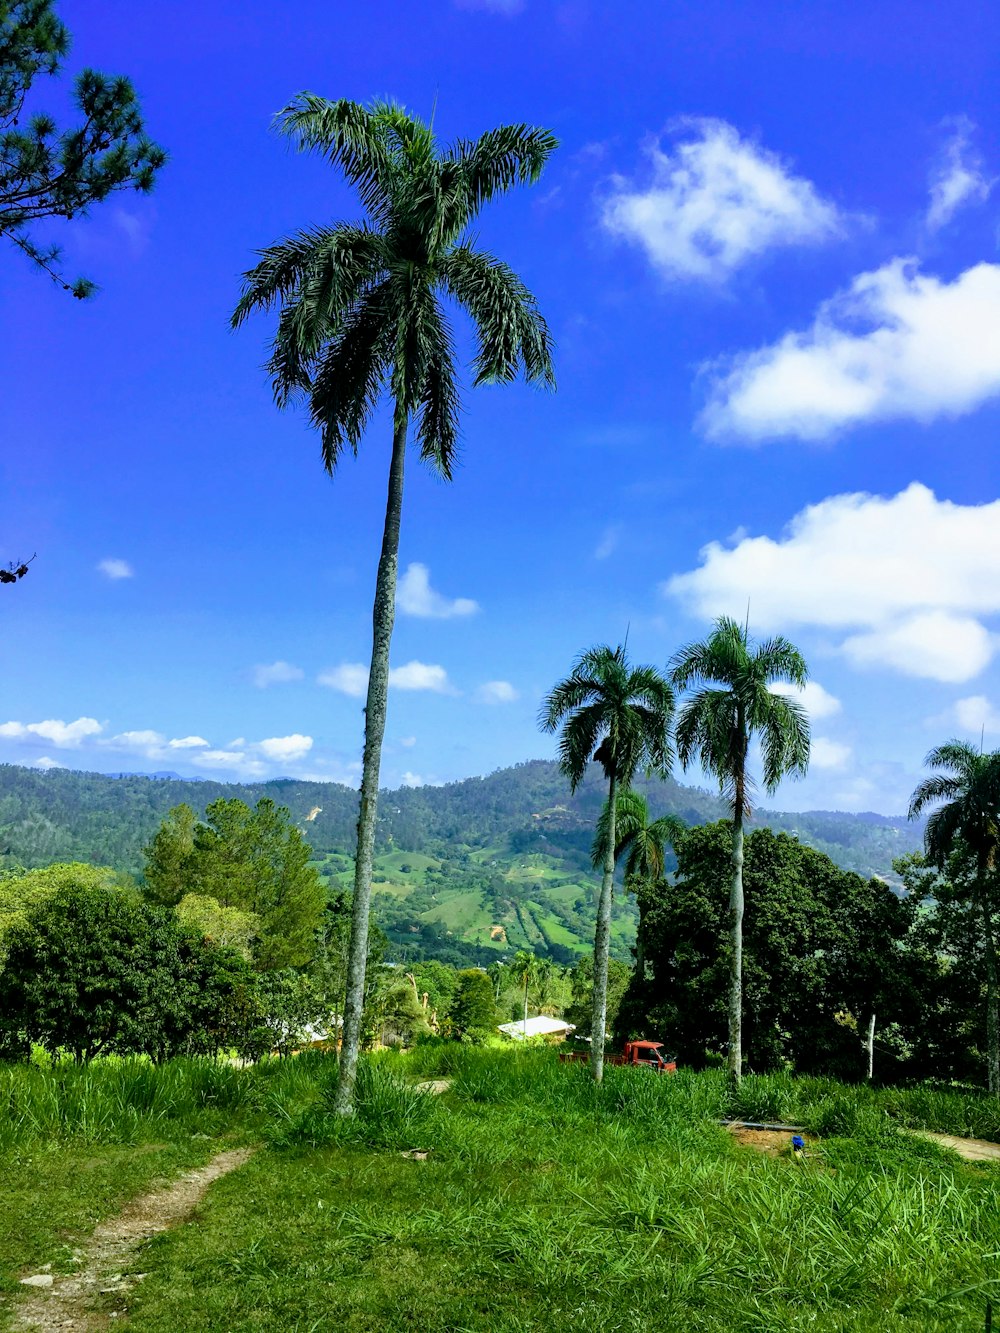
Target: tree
(580, 1010)
(473, 1010)
(620, 717)
(523, 969)
(255, 861)
(643, 843)
(361, 313)
(732, 703)
(47, 173)
(23, 891)
(968, 784)
(97, 971)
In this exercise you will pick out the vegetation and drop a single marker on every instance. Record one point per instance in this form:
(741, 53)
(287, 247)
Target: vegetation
(46, 172)
(619, 717)
(361, 313)
(733, 703)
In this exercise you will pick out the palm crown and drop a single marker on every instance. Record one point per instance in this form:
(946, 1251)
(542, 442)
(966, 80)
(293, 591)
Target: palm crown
(615, 714)
(641, 841)
(969, 786)
(733, 701)
(362, 303)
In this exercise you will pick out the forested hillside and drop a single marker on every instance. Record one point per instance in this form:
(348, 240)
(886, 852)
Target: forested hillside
(464, 871)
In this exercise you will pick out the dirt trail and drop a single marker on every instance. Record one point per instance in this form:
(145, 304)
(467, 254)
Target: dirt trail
(106, 1268)
(973, 1150)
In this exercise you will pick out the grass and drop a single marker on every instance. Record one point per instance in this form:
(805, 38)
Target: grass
(544, 1202)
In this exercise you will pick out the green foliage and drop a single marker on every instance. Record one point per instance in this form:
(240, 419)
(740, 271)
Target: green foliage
(46, 172)
(23, 891)
(473, 1010)
(819, 942)
(253, 862)
(98, 971)
(227, 927)
(580, 1008)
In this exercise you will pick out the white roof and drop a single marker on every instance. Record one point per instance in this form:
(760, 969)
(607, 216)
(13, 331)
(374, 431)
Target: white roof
(536, 1027)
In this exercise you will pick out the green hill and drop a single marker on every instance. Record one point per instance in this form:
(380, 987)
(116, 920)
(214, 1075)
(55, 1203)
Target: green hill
(464, 872)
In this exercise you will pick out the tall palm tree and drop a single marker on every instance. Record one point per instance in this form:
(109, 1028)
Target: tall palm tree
(362, 314)
(523, 970)
(618, 716)
(968, 782)
(733, 703)
(643, 844)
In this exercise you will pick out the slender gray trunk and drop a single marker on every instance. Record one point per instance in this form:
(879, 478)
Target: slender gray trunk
(525, 1001)
(735, 1060)
(383, 615)
(640, 936)
(602, 937)
(870, 1048)
(992, 1025)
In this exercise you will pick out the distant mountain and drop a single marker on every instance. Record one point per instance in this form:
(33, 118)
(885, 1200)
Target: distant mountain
(463, 871)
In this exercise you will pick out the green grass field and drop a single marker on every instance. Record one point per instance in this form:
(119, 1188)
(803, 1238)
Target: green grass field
(544, 1202)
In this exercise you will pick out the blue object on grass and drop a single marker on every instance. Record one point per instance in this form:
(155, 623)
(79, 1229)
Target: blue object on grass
(798, 1142)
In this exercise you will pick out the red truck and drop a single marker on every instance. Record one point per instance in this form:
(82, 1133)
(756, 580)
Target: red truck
(645, 1053)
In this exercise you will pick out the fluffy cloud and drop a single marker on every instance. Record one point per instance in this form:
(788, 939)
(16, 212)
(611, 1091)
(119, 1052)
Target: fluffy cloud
(67, 735)
(497, 692)
(420, 676)
(408, 742)
(816, 701)
(906, 579)
(45, 763)
(824, 753)
(416, 597)
(276, 673)
(187, 742)
(236, 762)
(411, 780)
(898, 344)
(352, 678)
(972, 716)
(715, 201)
(608, 543)
(116, 569)
(957, 178)
(349, 678)
(286, 749)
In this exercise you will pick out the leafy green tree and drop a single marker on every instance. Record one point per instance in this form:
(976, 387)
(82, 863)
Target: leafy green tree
(254, 862)
(966, 794)
(228, 927)
(823, 949)
(473, 1010)
(731, 704)
(50, 173)
(24, 891)
(97, 971)
(362, 314)
(618, 716)
(643, 844)
(580, 1010)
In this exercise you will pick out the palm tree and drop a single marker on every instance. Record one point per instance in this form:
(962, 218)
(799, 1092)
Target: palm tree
(731, 704)
(643, 844)
(361, 314)
(968, 782)
(618, 716)
(523, 970)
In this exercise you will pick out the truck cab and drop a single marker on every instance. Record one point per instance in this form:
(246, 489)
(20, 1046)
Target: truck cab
(649, 1053)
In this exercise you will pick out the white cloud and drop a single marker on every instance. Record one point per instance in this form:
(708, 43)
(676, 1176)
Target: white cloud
(236, 762)
(816, 701)
(416, 597)
(286, 749)
(137, 740)
(349, 678)
(187, 742)
(714, 202)
(116, 569)
(420, 676)
(957, 178)
(276, 673)
(497, 692)
(408, 741)
(608, 543)
(973, 715)
(67, 735)
(44, 762)
(824, 753)
(898, 345)
(411, 780)
(907, 579)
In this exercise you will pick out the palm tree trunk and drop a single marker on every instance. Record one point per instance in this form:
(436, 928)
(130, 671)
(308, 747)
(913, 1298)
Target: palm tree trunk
(992, 1025)
(640, 936)
(383, 616)
(735, 1061)
(602, 938)
(870, 1048)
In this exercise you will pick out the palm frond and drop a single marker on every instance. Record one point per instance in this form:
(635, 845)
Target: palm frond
(510, 329)
(500, 159)
(352, 137)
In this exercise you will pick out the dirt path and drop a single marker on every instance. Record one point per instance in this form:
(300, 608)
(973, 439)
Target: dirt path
(106, 1267)
(973, 1150)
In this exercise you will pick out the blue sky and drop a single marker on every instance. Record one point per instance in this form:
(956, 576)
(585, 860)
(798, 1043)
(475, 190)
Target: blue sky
(768, 251)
